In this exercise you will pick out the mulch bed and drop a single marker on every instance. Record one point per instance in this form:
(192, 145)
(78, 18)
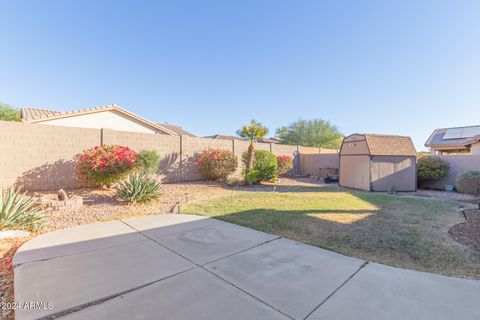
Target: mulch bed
(468, 232)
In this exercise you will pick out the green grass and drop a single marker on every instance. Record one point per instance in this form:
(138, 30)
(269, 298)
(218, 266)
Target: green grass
(399, 231)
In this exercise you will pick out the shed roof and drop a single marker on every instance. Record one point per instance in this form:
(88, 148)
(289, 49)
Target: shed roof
(388, 145)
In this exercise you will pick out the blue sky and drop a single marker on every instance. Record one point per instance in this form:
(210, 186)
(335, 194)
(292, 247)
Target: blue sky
(403, 67)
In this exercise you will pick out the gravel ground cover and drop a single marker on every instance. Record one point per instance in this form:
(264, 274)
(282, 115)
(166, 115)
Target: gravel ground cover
(468, 232)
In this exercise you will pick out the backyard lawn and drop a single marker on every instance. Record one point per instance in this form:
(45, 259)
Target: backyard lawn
(395, 230)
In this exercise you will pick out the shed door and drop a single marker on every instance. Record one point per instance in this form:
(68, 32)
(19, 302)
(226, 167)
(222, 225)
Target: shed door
(355, 172)
(388, 171)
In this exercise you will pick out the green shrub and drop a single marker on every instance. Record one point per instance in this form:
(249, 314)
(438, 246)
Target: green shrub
(216, 164)
(285, 164)
(264, 167)
(19, 211)
(469, 182)
(252, 177)
(148, 161)
(431, 168)
(138, 188)
(107, 164)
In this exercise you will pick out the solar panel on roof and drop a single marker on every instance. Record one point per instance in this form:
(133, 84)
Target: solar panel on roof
(460, 133)
(453, 133)
(470, 132)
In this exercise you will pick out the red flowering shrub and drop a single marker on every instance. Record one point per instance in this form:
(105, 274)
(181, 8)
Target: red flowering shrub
(106, 164)
(216, 164)
(284, 164)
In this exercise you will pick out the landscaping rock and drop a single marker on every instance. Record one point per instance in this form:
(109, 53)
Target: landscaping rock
(8, 234)
(62, 195)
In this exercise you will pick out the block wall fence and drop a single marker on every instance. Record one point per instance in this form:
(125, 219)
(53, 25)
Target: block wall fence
(42, 157)
(458, 164)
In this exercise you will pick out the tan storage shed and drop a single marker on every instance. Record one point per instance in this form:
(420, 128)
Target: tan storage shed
(375, 162)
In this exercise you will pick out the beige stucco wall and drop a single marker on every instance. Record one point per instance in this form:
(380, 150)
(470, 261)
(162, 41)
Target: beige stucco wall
(389, 171)
(311, 164)
(355, 172)
(109, 119)
(42, 157)
(458, 164)
(475, 149)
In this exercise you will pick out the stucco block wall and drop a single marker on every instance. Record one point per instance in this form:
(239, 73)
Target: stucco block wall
(41, 157)
(311, 164)
(458, 164)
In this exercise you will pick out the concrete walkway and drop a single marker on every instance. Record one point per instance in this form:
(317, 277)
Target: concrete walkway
(189, 267)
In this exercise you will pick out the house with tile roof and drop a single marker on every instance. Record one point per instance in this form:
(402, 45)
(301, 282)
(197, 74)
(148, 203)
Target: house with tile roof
(458, 140)
(103, 117)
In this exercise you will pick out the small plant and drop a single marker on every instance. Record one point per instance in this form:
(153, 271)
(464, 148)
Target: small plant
(431, 168)
(284, 164)
(252, 178)
(469, 182)
(264, 167)
(392, 190)
(216, 164)
(148, 161)
(106, 164)
(138, 188)
(19, 211)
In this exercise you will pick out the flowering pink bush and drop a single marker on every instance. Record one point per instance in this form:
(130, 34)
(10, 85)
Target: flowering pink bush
(106, 164)
(216, 164)
(284, 164)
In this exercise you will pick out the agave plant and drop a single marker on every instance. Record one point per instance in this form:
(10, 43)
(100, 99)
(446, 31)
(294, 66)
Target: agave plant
(138, 188)
(18, 210)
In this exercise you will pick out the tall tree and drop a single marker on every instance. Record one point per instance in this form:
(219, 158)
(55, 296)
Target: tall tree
(252, 131)
(311, 133)
(8, 113)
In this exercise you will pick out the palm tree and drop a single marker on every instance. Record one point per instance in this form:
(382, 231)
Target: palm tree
(252, 131)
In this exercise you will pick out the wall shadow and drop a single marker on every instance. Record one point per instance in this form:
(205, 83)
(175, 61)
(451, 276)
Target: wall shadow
(52, 176)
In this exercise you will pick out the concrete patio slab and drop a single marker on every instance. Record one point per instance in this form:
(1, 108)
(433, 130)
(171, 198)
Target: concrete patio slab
(75, 280)
(195, 294)
(380, 292)
(76, 240)
(206, 244)
(292, 277)
(154, 227)
(253, 275)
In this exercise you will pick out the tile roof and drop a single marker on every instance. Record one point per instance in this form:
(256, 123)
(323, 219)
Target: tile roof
(29, 114)
(223, 137)
(178, 130)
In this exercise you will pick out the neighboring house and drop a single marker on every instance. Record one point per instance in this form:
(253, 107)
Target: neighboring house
(269, 140)
(223, 137)
(227, 137)
(178, 130)
(103, 117)
(459, 140)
